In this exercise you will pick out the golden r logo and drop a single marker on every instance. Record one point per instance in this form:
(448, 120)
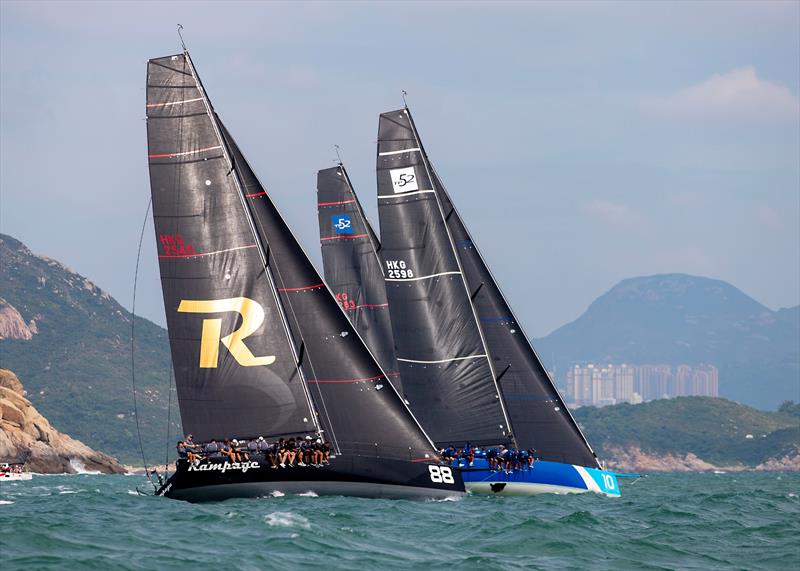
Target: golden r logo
(252, 317)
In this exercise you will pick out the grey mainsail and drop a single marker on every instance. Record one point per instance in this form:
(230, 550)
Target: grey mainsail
(260, 345)
(443, 361)
(353, 268)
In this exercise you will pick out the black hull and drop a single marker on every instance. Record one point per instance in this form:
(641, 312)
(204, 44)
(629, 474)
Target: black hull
(345, 476)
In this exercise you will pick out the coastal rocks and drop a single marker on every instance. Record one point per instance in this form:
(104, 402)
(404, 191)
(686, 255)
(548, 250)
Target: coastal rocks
(25, 435)
(634, 459)
(12, 325)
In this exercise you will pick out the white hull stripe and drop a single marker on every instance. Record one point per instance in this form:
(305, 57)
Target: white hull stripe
(423, 277)
(591, 485)
(398, 152)
(442, 360)
(404, 194)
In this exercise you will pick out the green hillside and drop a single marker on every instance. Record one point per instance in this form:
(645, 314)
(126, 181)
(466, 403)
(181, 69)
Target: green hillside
(713, 429)
(77, 366)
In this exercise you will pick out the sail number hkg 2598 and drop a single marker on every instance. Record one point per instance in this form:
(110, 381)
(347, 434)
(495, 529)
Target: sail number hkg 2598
(398, 269)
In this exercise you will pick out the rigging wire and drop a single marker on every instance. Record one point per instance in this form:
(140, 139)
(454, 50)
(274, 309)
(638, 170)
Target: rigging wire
(133, 341)
(169, 422)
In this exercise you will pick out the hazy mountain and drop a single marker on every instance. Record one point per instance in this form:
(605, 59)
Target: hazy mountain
(70, 344)
(677, 318)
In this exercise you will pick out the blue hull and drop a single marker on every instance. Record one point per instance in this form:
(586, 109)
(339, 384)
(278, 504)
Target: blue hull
(543, 478)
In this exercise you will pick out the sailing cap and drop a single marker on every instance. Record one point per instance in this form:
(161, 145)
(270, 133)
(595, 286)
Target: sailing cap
(308, 438)
(261, 438)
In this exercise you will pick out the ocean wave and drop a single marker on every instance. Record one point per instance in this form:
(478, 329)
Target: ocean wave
(287, 519)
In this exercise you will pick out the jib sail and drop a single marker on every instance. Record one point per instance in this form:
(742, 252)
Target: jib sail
(443, 361)
(539, 416)
(259, 343)
(353, 268)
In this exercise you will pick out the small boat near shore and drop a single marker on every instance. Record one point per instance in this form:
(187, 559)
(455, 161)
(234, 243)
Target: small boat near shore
(11, 471)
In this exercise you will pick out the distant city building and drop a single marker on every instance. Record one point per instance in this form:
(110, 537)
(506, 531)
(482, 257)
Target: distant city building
(600, 385)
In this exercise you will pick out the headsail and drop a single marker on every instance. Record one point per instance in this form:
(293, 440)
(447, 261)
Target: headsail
(539, 416)
(446, 372)
(353, 268)
(236, 246)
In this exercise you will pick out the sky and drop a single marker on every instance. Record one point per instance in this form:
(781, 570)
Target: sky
(583, 142)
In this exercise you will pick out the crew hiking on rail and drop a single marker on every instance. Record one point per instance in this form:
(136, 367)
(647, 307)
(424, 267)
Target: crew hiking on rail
(499, 458)
(308, 451)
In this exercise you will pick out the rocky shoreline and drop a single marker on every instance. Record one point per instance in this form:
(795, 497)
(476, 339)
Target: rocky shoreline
(634, 459)
(27, 436)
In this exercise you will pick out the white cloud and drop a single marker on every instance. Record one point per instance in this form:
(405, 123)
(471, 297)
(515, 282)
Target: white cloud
(738, 94)
(612, 213)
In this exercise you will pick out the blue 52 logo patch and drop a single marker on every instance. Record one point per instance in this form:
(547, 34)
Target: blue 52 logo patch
(342, 223)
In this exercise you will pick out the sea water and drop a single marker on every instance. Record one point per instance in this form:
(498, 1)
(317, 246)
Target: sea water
(698, 521)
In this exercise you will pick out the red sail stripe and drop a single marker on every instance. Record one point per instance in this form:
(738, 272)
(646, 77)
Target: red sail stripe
(345, 380)
(200, 254)
(164, 155)
(343, 237)
(263, 192)
(335, 203)
(300, 288)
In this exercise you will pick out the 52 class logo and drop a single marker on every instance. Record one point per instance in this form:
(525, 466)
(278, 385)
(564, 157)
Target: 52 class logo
(404, 180)
(342, 223)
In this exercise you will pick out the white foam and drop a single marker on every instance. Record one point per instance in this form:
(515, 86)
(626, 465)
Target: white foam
(5, 502)
(287, 519)
(447, 499)
(80, 467)
(277, 494)
(309, 494)
(133, 493)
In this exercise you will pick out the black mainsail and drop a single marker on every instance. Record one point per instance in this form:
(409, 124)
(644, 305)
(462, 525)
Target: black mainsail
(353, 267)
(447, 375)
(259, 344)
(537, 414)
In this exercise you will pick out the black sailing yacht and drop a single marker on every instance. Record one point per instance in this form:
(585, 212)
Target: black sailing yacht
(467, 369)
(260, 346)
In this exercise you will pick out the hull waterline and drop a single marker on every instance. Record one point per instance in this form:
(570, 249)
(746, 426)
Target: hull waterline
(542, 478)
(345, 476)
